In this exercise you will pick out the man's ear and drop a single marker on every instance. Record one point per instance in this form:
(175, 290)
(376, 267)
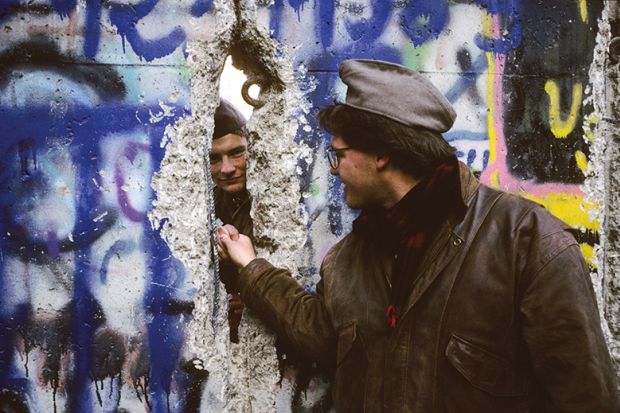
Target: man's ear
(382, 161)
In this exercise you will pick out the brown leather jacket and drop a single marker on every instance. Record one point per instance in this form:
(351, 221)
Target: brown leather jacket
(501, 318)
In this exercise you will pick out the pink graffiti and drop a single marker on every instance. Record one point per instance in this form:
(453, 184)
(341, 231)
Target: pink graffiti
(499, 165)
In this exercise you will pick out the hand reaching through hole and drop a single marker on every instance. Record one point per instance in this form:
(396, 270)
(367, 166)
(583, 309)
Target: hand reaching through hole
(234, 247)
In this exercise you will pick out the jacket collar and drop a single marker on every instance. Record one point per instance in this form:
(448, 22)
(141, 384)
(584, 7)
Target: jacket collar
(447, 243)
(469, 184)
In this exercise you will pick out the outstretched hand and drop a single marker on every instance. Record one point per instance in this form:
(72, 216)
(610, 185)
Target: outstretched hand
(234, 247)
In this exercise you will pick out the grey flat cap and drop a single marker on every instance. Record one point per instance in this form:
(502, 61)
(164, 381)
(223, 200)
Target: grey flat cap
(227, 119)
(396, 92)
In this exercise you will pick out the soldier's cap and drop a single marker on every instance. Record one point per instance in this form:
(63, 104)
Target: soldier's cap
(227, 119)
(397, 93)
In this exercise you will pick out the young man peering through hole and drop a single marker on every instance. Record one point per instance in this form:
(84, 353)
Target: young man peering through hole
(232, 203)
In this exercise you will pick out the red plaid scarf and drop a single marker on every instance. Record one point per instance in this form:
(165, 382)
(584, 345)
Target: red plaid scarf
(407, 228)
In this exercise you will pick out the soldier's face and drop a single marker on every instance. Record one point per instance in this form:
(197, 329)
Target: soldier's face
(228, 162)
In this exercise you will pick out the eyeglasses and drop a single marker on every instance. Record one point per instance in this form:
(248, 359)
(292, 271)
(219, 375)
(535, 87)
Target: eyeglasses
(334, 154)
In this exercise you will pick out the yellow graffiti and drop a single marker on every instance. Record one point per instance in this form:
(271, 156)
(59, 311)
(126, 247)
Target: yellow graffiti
(570, 208)
(590, 123)
(573, 210)
(561, 128)
(488, 31)
(582, 161)
(583, 10)
(494, 180)
(588, 253)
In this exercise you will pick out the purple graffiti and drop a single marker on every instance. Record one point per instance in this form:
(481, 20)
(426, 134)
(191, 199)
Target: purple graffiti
(53, 248)
(130, 152)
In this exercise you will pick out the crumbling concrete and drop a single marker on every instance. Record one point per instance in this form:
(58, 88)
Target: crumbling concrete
(603, 176)
(243, 376)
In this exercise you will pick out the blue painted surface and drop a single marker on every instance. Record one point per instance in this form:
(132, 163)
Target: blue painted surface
(68, 115)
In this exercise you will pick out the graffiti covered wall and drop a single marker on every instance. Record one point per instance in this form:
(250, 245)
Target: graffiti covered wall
(105, 299)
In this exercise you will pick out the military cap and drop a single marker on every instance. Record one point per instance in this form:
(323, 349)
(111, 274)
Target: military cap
(227, 119)
(396, 92)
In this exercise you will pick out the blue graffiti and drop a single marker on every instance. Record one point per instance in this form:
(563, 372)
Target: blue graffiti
(10, 320)
(84, 126)
(454, 135)
(126, 17)
(365, 30)
(369, 30)
(92, 29)
(298, 6)
(275, 17)
(201, 7)
(510, 13)
(63, 7)
(275, 14)
(424, 20)
(325, 22)
(165, 330)
(120, 247)
(468, 78)
(472, 154)
(8, 8)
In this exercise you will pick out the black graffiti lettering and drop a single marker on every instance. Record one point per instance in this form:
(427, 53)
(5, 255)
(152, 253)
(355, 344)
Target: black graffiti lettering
(43, 54)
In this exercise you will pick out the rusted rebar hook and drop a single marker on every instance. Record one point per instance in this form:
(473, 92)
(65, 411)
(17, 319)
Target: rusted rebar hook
(262, 82)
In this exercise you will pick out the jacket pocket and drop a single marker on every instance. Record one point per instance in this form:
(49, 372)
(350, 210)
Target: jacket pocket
(483, 369)
(349, 385)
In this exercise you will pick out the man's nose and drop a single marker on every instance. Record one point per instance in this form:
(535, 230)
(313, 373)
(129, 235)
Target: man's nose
(333, 171)
(227, 166)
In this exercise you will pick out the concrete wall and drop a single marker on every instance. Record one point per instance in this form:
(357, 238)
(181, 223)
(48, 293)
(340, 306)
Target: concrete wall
(106, 292)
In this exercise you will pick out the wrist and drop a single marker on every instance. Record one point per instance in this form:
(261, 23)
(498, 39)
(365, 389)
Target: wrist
(245, 261)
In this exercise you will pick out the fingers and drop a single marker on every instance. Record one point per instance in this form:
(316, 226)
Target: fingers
(234, 246)
(222, 252)
(229, 232)
(223, 240)
(222, 233)
(233, 232)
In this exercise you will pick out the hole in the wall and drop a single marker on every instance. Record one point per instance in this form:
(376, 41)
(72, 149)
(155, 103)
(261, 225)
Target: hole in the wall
(253, 87)
(231, 83)
(228, 160)
(254, 91)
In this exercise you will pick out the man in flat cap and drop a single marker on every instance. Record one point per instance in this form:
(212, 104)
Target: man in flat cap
(447, 295)
(232, 203)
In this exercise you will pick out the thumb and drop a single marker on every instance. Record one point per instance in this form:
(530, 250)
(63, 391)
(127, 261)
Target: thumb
(223, 235)
(233, 232)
